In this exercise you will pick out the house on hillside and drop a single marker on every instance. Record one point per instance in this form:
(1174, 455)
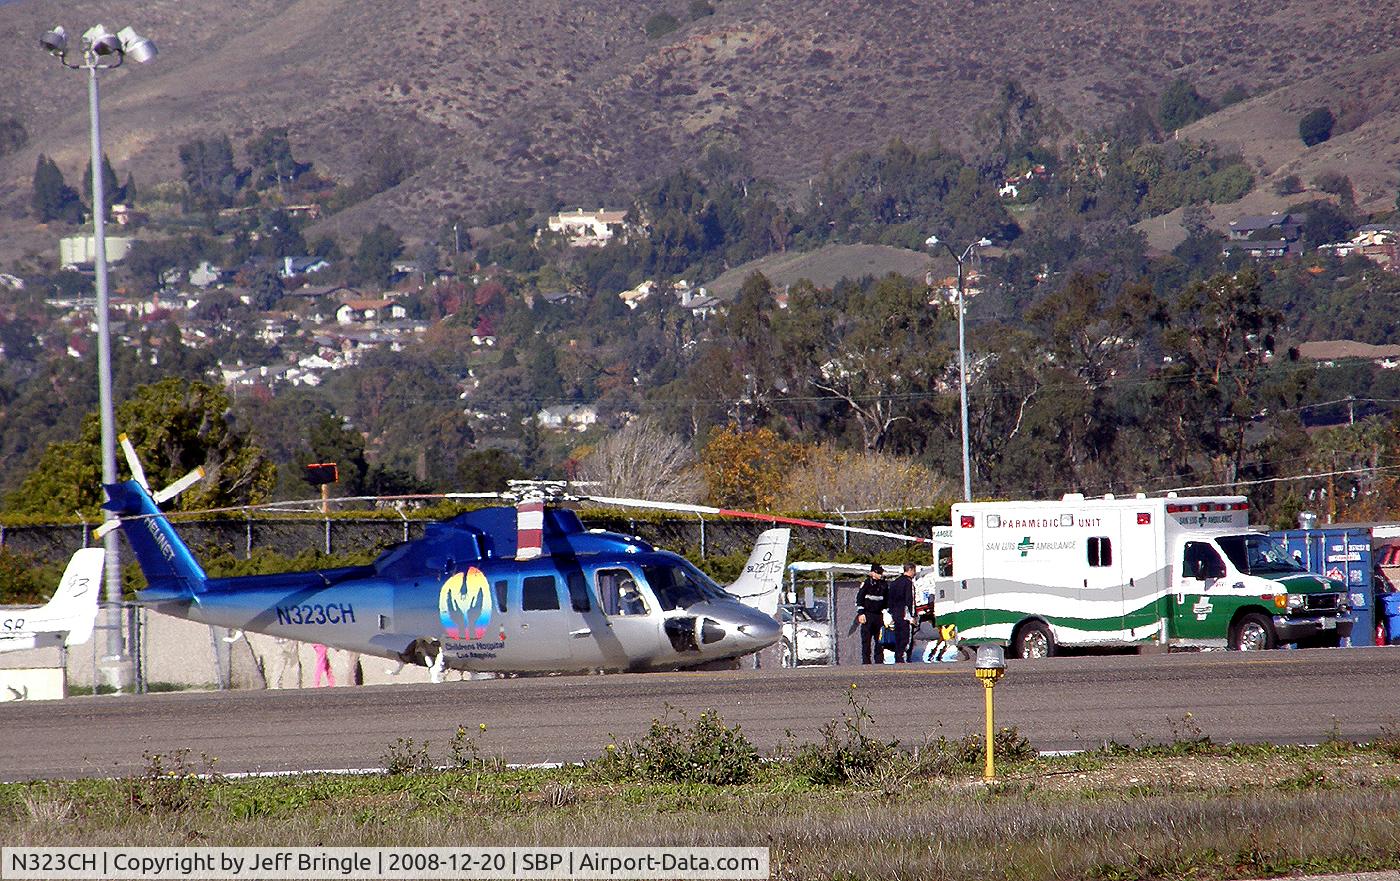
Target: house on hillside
(586, 229)
(1261, 250)
(567, 417)
(1287, 226)
(365, 311)
(636, 296)
(1376, 242)
(301, 266)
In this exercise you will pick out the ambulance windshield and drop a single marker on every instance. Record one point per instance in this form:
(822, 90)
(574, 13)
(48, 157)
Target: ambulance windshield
(1258, 554)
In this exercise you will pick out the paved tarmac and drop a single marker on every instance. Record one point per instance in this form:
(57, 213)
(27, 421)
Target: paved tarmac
(1059, 704)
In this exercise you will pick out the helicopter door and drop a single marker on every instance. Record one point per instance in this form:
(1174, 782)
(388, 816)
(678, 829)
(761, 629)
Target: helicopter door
(544, 626)
(632, 636)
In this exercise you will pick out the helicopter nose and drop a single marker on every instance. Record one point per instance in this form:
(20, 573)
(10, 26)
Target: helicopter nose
(758, 629)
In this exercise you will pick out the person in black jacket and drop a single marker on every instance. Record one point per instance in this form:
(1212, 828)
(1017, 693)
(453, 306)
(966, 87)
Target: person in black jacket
(900, 601)
(870, 612)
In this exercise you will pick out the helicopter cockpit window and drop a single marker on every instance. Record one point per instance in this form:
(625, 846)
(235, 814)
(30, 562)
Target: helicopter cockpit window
(539, 592)
(681, 585)
(618, 593)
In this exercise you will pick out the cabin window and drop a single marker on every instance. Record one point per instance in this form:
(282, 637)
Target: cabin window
(1201, 561)
(501, 595)
(1100, 551)
(539, 593)
(578, 592)
(618, 593)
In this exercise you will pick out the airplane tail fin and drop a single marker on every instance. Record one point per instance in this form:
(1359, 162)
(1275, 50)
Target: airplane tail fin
(74, 605)
(170, 569)
(762, 578)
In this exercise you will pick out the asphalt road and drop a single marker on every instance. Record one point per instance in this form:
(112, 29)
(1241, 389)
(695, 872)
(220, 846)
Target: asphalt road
(1059, 704)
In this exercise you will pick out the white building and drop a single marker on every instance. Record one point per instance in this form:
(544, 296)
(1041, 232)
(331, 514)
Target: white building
(588, 228)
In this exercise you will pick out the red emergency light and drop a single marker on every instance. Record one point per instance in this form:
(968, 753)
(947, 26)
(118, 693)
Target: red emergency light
(1144, 518)
(968, 521)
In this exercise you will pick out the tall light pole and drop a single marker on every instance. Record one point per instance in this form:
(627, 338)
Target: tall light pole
(103, 50)
(933, 242)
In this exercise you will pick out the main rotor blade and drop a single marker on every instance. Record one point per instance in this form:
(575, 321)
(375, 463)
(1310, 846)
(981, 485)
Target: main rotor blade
(754, 515)
(178, 486)
(137, 472)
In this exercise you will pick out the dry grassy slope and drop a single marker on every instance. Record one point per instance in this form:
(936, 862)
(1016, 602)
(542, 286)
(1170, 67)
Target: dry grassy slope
(824, 266)
(1265, 128)
(529, 96)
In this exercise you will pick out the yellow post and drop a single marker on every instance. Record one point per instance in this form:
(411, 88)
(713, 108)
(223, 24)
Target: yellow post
(990, 772)
(991, 666)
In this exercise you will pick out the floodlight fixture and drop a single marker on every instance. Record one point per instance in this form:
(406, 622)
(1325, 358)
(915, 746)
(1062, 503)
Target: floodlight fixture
(984, 242)
(931, 241)
(55, 42)
(102, 41)
(136, 47)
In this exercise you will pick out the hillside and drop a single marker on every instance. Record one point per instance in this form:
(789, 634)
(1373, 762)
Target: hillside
(824, 266)
(531, 98)
(1363, 92)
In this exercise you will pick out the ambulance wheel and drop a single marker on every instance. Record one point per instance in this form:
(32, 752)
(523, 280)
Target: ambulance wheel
(1034, 640)
(1253, 633)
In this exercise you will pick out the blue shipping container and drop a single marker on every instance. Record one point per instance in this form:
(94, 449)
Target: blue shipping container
(1343, 553)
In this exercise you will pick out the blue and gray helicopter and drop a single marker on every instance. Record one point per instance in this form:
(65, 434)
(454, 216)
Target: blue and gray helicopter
(522, 589)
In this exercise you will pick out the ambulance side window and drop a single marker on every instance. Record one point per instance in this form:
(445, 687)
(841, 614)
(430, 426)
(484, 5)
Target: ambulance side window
(1201, 561)
(945, 562)
(1100, 551)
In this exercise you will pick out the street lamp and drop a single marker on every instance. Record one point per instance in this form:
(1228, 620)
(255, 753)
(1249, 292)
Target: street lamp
(931, 242)
(102, 50)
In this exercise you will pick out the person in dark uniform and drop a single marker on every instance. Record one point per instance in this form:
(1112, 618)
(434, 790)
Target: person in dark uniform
(900, 601)
(870, 612)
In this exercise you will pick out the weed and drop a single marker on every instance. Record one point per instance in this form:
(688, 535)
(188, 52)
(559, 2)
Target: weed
(846, 751)
(405, 757)
(169, 784)
(709, 752)
(1388, 742)
(464, 753)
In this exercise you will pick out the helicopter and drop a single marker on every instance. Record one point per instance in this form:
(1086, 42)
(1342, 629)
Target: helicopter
(503, 589)
(67, 619)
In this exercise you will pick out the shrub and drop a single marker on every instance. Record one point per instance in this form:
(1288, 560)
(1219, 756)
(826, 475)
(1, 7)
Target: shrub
(846, 751)
(699, 9)
(661, 24)
(1316, 126)
(709, 752)
(1288, 186)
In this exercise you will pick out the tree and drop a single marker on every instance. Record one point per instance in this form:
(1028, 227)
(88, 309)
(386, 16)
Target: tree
(271, 160)
(833, 479)
(111, 193)
(1316, 126)
(1181, 105)
(374, 260)
(1220, 341)
(149, 261)
(747, 469)
(332, 440)
(52, 198)
(699, 9)
(488, 470)
(661, 24)
(208, 170)
(643, 460)
(175, 425)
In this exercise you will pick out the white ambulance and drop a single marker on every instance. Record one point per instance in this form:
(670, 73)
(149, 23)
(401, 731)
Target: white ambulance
(1039, 575)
